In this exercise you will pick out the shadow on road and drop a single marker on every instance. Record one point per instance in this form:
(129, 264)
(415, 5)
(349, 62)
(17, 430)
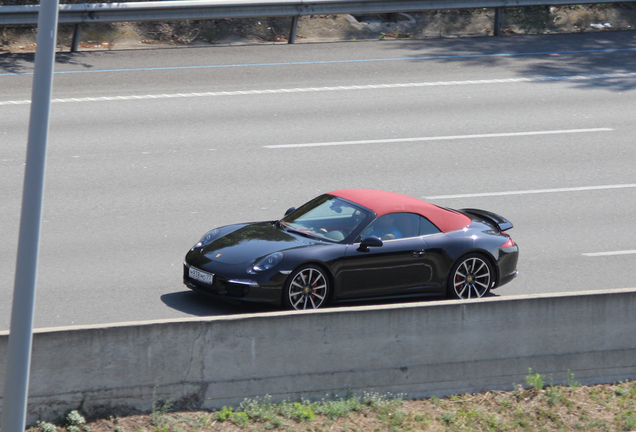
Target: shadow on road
(194, 304)
(23, 63)
(601, 56)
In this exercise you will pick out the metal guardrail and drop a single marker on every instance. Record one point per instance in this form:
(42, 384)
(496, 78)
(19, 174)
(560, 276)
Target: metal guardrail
(86, 13)
(216, 9)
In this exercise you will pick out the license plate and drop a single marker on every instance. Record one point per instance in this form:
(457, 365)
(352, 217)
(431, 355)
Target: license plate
(204, 277)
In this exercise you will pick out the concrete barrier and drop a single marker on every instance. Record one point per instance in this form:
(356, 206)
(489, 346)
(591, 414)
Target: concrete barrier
(419, 349)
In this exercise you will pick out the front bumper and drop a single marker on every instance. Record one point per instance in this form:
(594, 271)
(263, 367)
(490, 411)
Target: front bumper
(241, 289)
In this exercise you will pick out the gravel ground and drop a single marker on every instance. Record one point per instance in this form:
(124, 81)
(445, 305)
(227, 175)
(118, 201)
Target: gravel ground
(535, 408)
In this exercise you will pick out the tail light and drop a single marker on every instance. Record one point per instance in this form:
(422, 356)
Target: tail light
(509, 242)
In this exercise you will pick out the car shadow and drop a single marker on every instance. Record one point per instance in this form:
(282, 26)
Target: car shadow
(195, 304)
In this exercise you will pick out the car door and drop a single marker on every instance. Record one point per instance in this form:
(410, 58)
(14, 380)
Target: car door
(397, 266)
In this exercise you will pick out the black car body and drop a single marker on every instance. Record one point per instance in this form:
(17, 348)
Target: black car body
(355, 244)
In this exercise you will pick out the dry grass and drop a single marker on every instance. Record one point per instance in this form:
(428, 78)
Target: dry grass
(553, 408)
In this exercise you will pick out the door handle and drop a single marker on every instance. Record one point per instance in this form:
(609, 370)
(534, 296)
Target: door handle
(417, 254)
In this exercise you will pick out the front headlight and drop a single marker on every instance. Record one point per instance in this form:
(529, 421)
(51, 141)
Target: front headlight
(266, 263)
(208, 238)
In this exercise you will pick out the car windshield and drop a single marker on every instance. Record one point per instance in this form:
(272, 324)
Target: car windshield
(327, 217)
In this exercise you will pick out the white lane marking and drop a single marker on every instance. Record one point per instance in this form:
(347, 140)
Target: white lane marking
(599, 254)
(340, 88)
(437, 138)
(532, 191)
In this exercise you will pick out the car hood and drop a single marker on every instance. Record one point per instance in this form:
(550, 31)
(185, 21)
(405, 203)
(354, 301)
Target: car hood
(251, 242)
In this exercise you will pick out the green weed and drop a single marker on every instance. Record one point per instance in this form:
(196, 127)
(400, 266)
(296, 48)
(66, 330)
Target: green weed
(571, 382)
(447, 418)
(334, 409)
(259, 411)
(240, 418)
(46, 427)
(629, 422)
(74, 418)
(535, 381)
(297, 411)
(224, 414)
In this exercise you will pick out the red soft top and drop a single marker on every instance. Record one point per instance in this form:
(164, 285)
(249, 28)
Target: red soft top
(382, 202)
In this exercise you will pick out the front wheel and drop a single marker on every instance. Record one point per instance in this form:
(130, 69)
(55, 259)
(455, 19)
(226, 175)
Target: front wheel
(470, 278)
(307, 288)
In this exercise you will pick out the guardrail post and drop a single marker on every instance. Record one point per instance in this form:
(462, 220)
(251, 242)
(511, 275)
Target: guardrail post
(76, 38)
(497, 23)
(293, 29)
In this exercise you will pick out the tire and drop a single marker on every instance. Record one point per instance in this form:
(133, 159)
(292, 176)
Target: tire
(471, 277)
(307, 288)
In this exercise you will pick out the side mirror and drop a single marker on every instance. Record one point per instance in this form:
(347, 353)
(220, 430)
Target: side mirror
(290, 210)
(368, 242)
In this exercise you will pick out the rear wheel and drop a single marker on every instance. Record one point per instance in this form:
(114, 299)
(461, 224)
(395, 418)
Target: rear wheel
(470, 278)
(306, 288)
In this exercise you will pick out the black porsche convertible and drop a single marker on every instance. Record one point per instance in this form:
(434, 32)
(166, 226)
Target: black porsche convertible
(355, 244)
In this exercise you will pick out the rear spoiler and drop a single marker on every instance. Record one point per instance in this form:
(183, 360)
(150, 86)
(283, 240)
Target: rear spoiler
(503, 223)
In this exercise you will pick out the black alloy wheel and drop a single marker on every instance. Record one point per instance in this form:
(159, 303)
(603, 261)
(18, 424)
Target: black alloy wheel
(307, 288)
(470, 278)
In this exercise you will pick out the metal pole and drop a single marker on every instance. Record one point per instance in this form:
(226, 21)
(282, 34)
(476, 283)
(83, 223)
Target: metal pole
(293, 29)
(497, 24)
(16, 387)
(76, 38)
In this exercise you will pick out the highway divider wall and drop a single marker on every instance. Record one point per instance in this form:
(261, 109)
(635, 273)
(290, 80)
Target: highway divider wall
(417, 349)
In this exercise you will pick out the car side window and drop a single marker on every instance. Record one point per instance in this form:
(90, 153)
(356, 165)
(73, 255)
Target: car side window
(394, 226)
(427, 227)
